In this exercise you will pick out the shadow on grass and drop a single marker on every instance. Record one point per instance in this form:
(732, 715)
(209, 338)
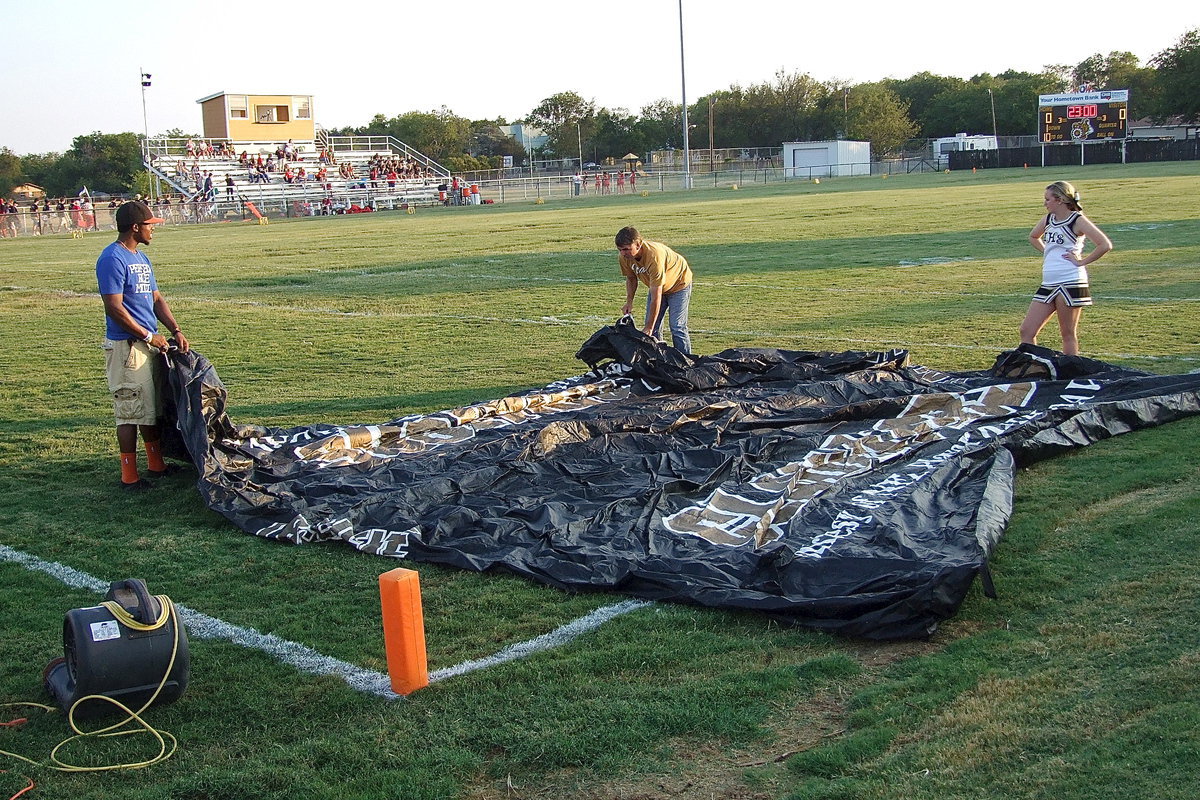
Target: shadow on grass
(446, 276)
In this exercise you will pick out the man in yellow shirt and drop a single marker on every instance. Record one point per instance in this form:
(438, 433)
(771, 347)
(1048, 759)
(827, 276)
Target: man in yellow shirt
(668, 280)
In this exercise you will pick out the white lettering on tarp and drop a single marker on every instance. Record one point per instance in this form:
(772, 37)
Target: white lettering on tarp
(1068, 400)
(733, 518)
(845, 524)
(383, 542)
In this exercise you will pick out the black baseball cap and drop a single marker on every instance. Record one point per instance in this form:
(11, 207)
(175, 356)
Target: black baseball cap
(136, 213)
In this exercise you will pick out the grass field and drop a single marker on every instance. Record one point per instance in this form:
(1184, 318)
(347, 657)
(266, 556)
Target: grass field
(1082, 681)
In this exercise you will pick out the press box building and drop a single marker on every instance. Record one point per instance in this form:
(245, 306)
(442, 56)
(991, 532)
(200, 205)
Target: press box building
(258, 117)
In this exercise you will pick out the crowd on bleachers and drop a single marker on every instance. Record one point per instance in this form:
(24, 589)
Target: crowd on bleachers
(286, 164)
(390, 170)
(207, 165)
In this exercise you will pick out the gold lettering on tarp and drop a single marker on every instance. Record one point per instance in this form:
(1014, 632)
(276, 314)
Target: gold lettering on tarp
(756, 511)
(366, 443)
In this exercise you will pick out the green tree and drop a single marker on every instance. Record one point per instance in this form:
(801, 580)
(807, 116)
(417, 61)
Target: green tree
(877, 114)
(1104, 72)
(797, 101)
(967, 107)
(487, 139)
(1016, 99)
(12, 171)
(558, 115)
(38, 167)
(438, 134)
(103, 162)
(792, 108)
(659, 126)
(615, 133)
(1179, 79)
(1120, 70)
(919, 92)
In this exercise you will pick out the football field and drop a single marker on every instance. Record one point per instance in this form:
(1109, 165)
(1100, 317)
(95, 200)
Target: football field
(1079, 681)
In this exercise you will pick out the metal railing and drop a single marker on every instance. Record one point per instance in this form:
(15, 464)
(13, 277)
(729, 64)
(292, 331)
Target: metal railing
(384, 144)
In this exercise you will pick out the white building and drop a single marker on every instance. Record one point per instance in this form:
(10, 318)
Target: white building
(943, 147)
(531, 138)
(839, 158)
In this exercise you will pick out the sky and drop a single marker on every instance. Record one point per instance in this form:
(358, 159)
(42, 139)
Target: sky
(75, 67)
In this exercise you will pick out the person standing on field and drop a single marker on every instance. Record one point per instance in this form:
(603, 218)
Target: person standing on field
(1059, 237)
(668, 280)
(133, 307)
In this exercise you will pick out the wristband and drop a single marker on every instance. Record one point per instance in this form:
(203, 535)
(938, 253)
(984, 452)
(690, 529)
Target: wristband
(149, 336)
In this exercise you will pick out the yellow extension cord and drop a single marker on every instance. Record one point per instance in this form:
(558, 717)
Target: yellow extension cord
(166, 612)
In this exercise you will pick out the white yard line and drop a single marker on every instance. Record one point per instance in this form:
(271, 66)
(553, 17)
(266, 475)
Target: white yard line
(305, 659)
(548, 641)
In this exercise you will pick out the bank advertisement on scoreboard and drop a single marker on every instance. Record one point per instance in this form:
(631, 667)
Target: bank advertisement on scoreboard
(1083, 116)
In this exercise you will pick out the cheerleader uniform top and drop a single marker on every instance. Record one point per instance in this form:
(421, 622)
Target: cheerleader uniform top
(1060, 241)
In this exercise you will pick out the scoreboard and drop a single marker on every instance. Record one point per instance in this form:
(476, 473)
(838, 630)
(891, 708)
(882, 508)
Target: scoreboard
(1084, 117)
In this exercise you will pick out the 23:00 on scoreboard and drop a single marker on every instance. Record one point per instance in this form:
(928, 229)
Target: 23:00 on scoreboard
(1084, 117)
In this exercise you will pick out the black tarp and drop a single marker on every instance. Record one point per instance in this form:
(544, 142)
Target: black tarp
(849, 492)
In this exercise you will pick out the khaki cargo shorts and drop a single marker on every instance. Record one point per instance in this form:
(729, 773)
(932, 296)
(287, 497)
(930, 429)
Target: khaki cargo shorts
(133, 368)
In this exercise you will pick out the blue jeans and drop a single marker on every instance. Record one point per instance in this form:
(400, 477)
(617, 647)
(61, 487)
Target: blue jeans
(677, 303)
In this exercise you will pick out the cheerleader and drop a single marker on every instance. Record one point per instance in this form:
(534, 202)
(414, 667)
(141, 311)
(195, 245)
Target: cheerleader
(1059, 237)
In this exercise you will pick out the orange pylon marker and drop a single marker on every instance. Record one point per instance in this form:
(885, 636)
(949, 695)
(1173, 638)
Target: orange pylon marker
(403, 630)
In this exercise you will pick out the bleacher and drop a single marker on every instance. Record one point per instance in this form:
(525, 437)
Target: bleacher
(276, 197)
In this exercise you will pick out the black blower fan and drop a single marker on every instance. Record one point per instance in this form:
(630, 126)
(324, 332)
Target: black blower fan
(130, 648)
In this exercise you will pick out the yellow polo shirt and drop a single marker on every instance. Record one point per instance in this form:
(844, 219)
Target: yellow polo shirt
(657, 265)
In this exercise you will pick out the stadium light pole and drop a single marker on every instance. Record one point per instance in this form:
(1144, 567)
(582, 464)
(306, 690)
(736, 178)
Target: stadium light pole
(687, 173)
(146, 140)
(711, 101)
(995, 135)
(579, 141)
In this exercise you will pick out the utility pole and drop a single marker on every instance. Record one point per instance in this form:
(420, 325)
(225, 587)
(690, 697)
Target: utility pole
(146, 141)
(687, 159)
(711, 101)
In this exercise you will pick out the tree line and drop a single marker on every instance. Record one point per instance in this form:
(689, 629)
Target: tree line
(790, 107)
